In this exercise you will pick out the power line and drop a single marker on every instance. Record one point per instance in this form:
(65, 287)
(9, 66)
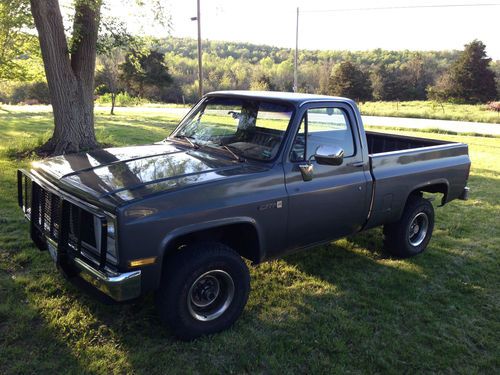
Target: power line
(399, 7)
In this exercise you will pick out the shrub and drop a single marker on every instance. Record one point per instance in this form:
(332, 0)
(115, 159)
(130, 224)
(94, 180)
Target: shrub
(30, 93)
(4, 98)
(123, 99)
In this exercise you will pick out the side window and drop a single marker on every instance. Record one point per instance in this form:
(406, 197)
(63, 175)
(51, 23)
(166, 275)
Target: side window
(323, 126)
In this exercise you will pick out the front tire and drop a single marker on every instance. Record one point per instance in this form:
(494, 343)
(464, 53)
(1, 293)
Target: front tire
(412, 233)
(204, 290)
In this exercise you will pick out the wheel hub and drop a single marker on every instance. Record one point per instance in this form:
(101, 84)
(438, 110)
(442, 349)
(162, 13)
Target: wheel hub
(205, 291)
(418, 229)
(210, 295)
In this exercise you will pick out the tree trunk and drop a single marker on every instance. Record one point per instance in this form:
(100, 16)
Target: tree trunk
(70, 77)
(113, 100)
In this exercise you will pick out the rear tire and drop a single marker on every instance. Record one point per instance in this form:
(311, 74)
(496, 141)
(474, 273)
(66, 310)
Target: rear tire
(204, 290)
(412, 233)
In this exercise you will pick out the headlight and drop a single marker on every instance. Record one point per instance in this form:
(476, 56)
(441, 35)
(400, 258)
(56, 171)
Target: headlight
(111, 228)
(112, 240)
(110, 235)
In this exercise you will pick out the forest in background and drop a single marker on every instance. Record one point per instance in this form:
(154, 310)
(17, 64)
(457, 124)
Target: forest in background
(165, 70)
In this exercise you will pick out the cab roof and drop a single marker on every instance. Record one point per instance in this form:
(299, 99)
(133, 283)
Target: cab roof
(291, 97)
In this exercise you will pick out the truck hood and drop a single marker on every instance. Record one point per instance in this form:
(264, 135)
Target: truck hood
(117, 175)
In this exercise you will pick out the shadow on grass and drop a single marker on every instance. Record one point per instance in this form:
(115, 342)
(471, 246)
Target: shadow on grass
(27, 343)
(325, 310)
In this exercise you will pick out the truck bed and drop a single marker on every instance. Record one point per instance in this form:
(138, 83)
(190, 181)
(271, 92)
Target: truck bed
(401, 164)
(380, 142)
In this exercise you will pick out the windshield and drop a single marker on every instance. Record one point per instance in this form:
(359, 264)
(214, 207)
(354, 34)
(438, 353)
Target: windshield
(251, 129)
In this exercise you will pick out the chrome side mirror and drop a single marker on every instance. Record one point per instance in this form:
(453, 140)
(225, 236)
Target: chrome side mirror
(326, 155)
(329, 155)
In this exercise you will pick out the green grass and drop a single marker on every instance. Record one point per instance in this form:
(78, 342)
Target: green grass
(340, 308)
(431, 110)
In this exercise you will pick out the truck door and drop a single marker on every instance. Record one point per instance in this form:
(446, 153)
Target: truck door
(334, 203)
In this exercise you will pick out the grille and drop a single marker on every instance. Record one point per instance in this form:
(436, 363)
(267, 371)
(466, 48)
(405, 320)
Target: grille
(72, 227)
(47, 213)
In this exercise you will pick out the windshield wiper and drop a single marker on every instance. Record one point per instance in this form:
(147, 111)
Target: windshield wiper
(236, 156)
(187, 138)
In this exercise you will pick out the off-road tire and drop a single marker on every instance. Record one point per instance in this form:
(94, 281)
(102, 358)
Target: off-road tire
(175, 299)
(400, 239)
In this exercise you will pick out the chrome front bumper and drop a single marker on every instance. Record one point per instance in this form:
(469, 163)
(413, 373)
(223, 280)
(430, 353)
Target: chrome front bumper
(119, 286)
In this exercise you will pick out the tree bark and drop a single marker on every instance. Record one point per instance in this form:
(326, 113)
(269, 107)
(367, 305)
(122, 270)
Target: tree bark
(70, 76)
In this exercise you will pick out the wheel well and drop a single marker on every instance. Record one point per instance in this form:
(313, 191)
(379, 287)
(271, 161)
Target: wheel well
(434, 188)
(241, 237)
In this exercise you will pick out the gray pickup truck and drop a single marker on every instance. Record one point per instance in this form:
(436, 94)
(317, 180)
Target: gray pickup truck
(252, 175)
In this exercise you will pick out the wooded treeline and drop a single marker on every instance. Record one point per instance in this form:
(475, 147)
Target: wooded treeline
(165, 70)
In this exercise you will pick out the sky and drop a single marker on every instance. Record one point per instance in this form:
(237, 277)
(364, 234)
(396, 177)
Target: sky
(321, 26)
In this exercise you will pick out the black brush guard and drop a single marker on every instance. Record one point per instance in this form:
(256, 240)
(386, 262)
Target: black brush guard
(73, 229)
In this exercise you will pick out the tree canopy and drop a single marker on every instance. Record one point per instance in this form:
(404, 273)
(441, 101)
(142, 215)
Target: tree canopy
(469, 79)
(349, 80)
(146, 75)
(17, 48)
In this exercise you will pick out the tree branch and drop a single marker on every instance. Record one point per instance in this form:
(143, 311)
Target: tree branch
(85, 30)
(53, 44)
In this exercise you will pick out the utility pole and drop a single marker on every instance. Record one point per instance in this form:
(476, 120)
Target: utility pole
(200, 70)
(295, 65)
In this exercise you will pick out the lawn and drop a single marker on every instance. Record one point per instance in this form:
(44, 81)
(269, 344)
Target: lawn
(341, 308)
(431, 110)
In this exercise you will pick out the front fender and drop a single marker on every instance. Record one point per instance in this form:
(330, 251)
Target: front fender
(165, 248)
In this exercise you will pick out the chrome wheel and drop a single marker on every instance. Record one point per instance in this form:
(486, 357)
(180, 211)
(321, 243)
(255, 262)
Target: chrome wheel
(418, 229)
(210, 295)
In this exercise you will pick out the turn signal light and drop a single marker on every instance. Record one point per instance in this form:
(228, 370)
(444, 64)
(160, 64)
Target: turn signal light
(141, 262)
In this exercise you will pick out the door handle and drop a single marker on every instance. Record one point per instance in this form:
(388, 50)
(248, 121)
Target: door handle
(356, 164)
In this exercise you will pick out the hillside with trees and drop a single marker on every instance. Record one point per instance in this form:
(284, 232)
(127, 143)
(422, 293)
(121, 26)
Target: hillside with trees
(165, 70)
(394, 75)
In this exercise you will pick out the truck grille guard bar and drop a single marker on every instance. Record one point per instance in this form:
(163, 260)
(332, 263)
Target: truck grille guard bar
(66, 224)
